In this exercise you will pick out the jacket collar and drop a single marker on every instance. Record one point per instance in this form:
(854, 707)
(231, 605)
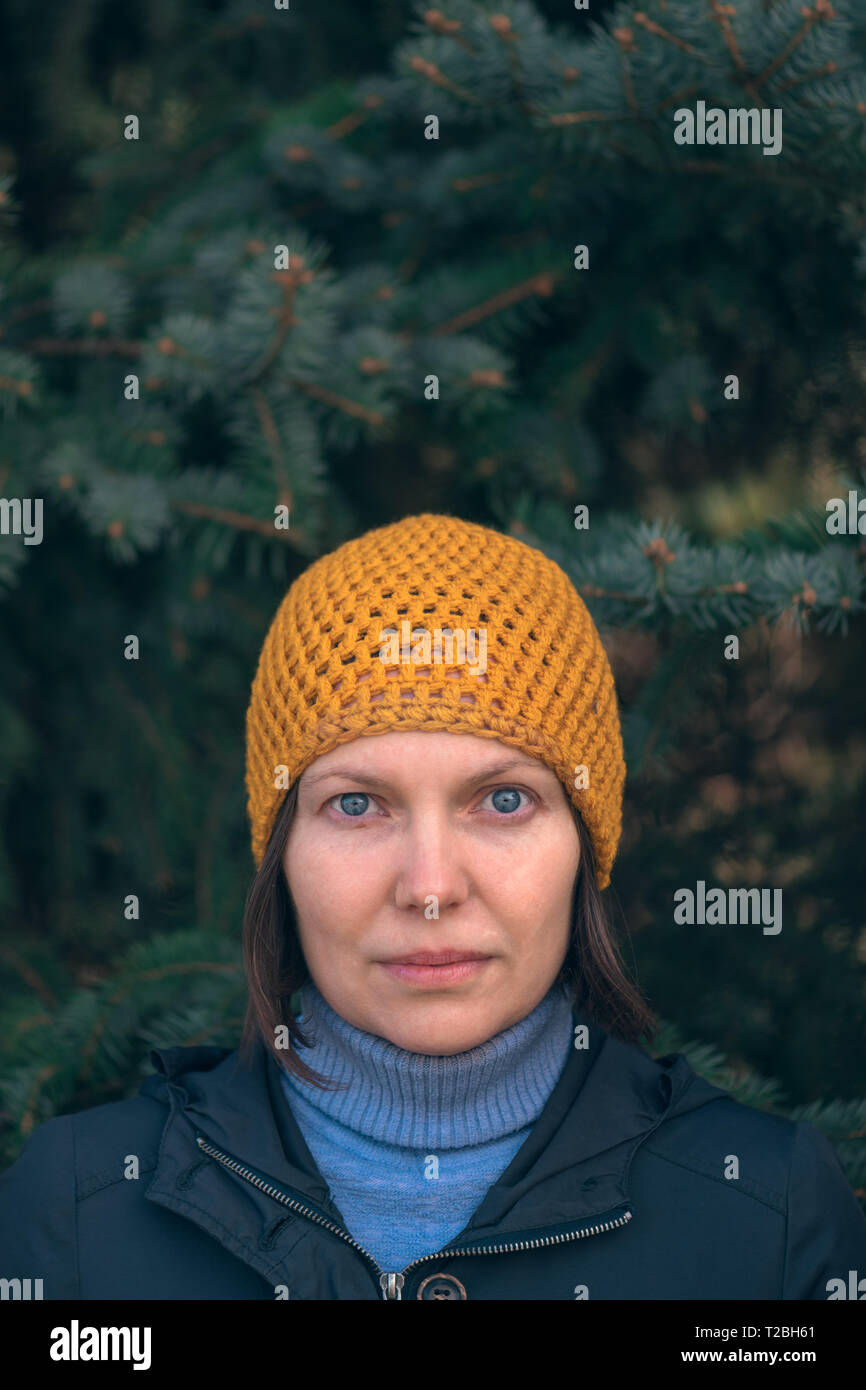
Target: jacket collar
(573, 1167)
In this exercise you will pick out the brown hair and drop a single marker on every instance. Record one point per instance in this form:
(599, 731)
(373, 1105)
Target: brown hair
(592, 970)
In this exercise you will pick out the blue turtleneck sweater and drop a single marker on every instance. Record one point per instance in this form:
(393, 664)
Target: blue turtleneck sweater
(413, 1143)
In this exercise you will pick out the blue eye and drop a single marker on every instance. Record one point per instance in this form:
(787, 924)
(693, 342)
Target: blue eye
(507, 792)
(356, 804)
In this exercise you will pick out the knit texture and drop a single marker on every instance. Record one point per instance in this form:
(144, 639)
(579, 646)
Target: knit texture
(328, 672)
(412, 1143)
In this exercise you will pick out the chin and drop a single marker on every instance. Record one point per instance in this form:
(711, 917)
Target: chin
(444, 1041)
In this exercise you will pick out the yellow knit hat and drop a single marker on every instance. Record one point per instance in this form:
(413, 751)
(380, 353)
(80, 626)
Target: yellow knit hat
(391, 631)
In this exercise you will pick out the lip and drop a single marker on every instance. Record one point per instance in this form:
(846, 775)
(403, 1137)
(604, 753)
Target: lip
(452, 972)
(437, 957)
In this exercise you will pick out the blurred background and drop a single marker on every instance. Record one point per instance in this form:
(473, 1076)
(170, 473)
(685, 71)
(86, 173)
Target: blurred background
(166, 382)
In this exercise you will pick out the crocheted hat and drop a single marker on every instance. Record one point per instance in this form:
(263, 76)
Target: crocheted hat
(437, 623)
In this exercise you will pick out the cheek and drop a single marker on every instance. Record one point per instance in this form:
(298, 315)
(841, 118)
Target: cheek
(326, 885)
(542, 875)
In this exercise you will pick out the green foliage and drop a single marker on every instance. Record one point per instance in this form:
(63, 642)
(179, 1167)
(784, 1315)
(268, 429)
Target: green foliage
(91, 1046)
(304, 388)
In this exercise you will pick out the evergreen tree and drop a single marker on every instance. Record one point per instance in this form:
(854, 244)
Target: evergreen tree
(485, 278)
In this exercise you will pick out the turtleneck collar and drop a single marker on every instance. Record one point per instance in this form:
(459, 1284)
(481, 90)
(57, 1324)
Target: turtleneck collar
(416, 1100)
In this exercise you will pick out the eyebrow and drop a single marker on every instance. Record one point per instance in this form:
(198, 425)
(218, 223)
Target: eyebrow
(359, 775)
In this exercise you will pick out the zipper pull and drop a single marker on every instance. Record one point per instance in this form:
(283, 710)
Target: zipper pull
(391, 1285)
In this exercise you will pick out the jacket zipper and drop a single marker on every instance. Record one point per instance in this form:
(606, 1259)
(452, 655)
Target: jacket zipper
(392, 1284)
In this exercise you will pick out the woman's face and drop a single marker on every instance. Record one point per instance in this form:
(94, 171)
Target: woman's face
(411, 842)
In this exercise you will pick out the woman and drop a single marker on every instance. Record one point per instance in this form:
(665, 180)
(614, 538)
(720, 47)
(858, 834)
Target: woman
(459, 1109)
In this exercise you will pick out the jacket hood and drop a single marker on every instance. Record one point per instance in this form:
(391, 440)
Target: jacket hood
(574, 1165)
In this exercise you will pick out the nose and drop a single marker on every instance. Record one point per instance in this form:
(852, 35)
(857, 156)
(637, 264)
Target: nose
(430, 861)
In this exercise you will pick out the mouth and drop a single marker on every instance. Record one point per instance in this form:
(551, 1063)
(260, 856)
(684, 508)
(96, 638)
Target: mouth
(437, 957)
(435, 969)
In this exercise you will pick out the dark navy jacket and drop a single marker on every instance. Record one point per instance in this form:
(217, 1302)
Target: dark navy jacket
(620, 1192)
